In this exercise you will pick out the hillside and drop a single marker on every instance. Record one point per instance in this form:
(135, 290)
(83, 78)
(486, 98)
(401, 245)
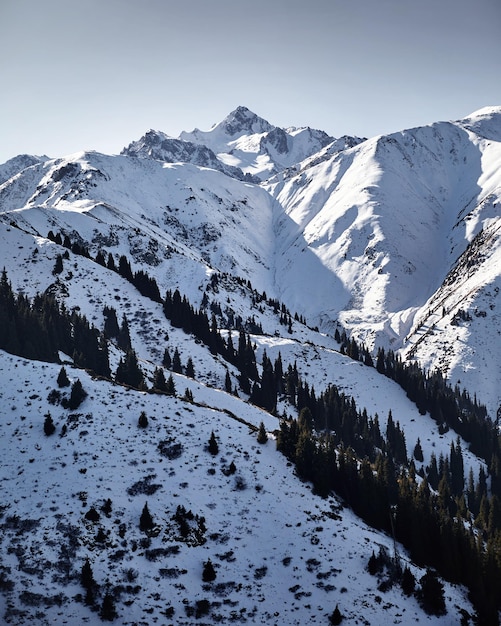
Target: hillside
(264, 287)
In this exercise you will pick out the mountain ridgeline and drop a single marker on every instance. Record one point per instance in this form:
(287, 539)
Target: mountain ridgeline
(250, 282)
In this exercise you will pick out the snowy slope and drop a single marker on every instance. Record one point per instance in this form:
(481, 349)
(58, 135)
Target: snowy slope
(270, 568)
(160, 210)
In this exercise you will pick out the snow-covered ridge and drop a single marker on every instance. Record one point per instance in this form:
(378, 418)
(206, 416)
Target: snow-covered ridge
(362, 232)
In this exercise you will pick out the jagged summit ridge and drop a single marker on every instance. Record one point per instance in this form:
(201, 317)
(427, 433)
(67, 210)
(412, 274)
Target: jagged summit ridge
(245, 140)
(161, 147)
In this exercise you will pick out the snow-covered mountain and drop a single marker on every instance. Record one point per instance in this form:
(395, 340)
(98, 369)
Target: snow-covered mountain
(249, 142)
(374, 236)
(393, 239)
(402, 232)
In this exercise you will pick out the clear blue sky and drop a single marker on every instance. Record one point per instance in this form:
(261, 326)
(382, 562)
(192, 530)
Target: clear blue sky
(97, 74)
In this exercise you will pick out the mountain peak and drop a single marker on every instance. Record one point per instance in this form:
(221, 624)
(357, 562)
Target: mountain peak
(243, 120)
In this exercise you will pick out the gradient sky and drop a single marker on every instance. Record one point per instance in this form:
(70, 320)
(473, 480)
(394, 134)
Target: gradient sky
(97, 74)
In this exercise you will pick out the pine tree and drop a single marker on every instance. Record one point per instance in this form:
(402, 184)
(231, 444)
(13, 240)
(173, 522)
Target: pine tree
(88, 583)
(262, 436)
(176, 362)
(190, 370)
(170, 387)
(106, 508)
(209, 573)
(159, 381)
(431, 594)
(100, 258)
(336, 617)
(58, 266)
(408, 582)
(129, 372)
(146, 521)
(77, 395)
(213, 445)
(142, 422)
(418, 451)
(108, 611)
(110, 264)
(62, 379)
(227, 382)
(124, 268)
(457, 468)
(123, 339)
(111, 327)
(48, 425)
(102, 364)
(167, 361)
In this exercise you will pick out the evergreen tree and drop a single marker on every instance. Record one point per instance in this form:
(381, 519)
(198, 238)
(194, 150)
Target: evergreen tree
(408, 582)
(159, 381)
(102, 364)
(110, 264)
(106, 508)
(62, 379)
(128, 371)
(170, 389)
(418, 451)
(167, 361)
(58, 266)
(124, 268)
(100, 258)
(88, 583)
(176, 362)
(111, 327)
(374, 565)
(227, 382)
(87, 576)
(146, 521)
(336, 617)
(77, 395)
(432, 472)
(456, 468)
(262, 436)
(190, 370)
(48, 425)
(123, 339)
(213, 445)
(209, 573)
(431, 594)
(108, 611)
(142, 422)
